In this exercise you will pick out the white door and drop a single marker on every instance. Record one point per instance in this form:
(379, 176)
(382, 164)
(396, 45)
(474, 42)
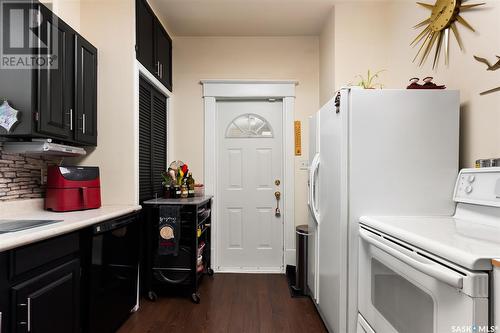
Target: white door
(249, 164)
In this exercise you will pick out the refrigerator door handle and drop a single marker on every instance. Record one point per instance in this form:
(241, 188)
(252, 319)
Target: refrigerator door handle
(312, 187)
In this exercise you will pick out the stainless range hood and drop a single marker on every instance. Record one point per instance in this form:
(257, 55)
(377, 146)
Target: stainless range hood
(42, 147)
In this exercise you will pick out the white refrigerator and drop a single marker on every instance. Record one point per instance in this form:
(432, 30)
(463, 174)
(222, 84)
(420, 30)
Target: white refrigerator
(373, 152)
(313, 185)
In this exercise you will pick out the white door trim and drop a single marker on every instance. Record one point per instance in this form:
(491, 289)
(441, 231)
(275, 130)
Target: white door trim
(214, 90)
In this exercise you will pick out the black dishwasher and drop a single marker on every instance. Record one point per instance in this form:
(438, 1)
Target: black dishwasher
(113, 273)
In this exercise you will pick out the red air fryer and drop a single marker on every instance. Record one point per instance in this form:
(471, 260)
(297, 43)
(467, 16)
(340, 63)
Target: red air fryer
(72, 188)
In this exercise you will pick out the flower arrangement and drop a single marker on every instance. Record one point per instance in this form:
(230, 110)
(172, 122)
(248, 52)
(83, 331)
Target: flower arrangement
(175, 174)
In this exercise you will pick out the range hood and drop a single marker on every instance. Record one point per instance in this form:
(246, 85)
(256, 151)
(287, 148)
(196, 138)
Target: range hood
(42, 147)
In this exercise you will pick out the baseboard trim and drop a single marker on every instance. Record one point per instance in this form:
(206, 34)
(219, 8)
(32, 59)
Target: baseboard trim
(290, 257)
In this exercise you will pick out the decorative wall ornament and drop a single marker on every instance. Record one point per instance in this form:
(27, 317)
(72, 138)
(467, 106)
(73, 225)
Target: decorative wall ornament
(491, 67)
(444, 17)
(8, 116)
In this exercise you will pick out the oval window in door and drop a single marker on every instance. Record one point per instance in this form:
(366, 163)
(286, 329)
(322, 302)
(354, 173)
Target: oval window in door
(249, 126)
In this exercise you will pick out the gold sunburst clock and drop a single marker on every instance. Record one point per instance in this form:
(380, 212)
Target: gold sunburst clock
(444, 17)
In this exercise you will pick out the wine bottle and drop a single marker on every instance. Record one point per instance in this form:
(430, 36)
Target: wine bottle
(190, 182)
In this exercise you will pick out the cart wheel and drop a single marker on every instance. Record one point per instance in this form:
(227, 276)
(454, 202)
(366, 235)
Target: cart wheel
(152, 296)
(210, 272)
(195, 298)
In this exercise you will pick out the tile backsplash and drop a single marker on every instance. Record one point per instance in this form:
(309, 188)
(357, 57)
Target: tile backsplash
(21, 176)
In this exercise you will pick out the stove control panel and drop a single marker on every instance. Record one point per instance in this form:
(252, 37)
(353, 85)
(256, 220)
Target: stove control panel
(478, 186)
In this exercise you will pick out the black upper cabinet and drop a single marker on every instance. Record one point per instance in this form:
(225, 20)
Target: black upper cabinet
(55, 85)
(58, 101)
(154, 45)
(86, 92)
(144, 36)
(163, 55)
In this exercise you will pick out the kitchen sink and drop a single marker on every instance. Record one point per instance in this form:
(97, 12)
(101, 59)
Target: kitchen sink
(7, 226)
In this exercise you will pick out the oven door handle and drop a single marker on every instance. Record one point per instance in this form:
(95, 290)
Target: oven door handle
(423, 265)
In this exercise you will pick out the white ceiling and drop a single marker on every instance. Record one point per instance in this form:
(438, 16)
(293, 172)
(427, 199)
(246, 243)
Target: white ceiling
(243, 17)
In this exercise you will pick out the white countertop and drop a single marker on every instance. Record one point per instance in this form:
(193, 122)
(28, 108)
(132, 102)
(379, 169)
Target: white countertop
(466, 242)
(71, 221)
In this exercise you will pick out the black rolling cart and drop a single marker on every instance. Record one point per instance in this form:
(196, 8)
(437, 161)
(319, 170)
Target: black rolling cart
(177, 239)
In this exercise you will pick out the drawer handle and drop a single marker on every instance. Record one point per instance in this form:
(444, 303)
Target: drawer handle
(29, 314)
(27, 323)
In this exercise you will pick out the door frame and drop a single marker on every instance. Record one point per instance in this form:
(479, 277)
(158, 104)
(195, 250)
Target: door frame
(216, 90)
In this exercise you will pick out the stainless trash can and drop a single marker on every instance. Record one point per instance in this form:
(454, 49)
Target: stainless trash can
(302, 234)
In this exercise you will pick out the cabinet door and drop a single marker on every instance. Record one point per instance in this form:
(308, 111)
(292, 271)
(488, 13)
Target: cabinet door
(163, 55)
(145, 134)
(4, 293)
(152, 140)
(55, 83)
(145, 36)
(49, 302)
(158, 140)
(86, 92)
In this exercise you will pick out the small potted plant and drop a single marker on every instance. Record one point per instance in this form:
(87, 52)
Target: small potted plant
(369, 81)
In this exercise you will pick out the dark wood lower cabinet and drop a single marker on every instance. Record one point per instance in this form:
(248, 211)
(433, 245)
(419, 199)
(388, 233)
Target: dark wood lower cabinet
(46, 287)
(4, 294)
(49, 302)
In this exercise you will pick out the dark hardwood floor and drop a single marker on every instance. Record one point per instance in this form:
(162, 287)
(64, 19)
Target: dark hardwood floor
(230, 303)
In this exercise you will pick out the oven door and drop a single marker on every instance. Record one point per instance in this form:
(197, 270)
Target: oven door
(402, 289)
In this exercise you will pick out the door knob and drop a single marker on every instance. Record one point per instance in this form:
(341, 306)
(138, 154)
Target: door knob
(277, 212)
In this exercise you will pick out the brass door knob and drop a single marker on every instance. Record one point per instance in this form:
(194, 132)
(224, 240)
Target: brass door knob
(277, 194)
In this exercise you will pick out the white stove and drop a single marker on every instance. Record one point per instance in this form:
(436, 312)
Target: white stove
(433, 274)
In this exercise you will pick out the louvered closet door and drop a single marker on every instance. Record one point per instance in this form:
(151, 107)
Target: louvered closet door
(158, 140)
(152, 140)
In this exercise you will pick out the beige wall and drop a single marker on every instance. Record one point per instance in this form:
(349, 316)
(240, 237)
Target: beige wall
(110, 26)
(293, 58)
(377, 34)
(68, 10)
(327, 59)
